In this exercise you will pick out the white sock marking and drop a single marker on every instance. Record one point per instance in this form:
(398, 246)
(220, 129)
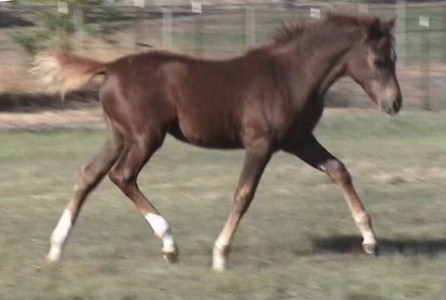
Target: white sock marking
(369, 238)
(161, 229)
(59, 235)
(158, 223)
(218, 258)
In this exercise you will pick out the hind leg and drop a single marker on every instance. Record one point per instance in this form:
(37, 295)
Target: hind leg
(137, 151)
(89, 177)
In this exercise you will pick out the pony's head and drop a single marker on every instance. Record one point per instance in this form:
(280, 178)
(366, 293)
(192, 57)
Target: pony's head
(371, 63)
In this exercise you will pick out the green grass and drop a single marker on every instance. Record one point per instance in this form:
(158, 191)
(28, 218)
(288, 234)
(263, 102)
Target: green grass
(297, 240)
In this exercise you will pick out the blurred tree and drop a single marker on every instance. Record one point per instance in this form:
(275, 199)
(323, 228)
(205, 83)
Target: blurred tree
(55, 2)
(55, 25)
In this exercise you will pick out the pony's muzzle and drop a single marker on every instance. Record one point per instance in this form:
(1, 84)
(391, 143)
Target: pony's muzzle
(391, 100)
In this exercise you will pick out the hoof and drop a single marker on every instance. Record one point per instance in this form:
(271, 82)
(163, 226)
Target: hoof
(51, 260)
(219, 266)
(370, 249)
(54, 255)
(171, 257)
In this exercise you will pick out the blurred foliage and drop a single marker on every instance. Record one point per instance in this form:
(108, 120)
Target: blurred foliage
(56, 2)
(56, 26)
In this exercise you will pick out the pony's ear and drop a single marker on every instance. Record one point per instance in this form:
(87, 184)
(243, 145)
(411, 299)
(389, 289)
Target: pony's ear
(377, 28)
(387, 26)
(374, 29)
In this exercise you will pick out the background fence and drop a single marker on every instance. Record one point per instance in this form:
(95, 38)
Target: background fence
(218, 30)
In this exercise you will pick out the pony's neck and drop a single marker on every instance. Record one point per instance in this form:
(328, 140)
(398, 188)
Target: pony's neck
(319, 57)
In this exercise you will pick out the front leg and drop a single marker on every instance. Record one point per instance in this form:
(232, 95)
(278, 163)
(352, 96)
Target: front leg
(256, 159)
(313, 153)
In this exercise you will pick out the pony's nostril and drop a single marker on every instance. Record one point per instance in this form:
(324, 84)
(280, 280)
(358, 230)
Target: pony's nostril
(396, 105)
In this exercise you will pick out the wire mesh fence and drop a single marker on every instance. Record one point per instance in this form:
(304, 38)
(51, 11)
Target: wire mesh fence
(221, 30)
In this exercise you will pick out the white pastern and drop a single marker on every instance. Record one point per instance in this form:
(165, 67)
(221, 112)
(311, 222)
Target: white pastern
(59, 235)
(369, 238)
(218, 259)
(161, 229)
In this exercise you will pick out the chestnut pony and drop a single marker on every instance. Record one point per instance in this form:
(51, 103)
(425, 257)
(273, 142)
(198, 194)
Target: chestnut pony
(266, 100)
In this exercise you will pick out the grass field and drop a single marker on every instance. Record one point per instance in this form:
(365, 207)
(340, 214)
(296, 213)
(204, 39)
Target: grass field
(298, 239)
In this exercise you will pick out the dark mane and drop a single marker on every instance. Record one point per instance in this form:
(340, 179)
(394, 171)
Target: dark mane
(349, 19)
(292, 31)
(374, 26)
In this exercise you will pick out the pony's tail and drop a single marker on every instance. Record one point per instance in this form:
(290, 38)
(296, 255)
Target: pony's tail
(61, 71)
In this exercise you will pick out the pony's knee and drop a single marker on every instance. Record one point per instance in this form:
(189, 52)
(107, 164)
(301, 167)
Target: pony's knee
(337, 171)
(242, 198)
(87, 177)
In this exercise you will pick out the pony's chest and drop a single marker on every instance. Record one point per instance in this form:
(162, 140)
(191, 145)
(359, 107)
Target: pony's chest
(305, 118)
(290, 117)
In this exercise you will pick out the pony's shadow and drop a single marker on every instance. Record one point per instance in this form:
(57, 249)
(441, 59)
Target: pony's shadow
(352, 244)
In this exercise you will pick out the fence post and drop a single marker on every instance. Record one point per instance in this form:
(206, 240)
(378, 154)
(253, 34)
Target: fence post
(197, 9)
(315, 13)
(363, 8)
(250, 26)
(62, 36)
(78, 20)
(401, 28)
(424, 24)
(139, 26)
(167, 24)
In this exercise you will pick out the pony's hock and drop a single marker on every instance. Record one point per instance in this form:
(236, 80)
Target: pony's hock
(267, 100)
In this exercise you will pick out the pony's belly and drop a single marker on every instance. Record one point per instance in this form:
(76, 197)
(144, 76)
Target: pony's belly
(206, 138)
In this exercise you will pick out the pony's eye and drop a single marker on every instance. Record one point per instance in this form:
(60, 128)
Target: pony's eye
(380, 62)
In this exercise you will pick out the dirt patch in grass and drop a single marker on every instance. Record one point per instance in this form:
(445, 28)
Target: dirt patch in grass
(51, 119)
(37, 111)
